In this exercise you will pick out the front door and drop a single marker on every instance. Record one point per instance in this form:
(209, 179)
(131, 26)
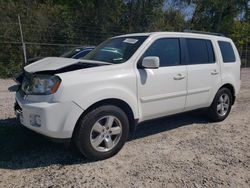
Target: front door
(162, 91)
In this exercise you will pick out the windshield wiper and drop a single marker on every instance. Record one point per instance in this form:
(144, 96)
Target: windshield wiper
(94, 62)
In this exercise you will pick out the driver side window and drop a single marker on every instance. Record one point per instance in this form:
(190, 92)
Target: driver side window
(168, 51)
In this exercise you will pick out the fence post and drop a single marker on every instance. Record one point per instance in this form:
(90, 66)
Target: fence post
(246, 54)
(22, 40)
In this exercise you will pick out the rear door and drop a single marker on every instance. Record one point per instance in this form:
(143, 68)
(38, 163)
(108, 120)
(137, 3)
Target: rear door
(203, 73)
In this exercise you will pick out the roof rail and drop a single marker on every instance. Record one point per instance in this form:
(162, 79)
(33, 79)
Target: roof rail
(203, 32)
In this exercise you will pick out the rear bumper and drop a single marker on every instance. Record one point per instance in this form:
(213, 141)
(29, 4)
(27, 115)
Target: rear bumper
(54, 120)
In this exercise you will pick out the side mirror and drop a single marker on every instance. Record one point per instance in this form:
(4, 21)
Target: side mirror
(151, 62)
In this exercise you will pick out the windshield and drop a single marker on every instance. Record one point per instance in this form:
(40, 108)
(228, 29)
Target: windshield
(116, 50)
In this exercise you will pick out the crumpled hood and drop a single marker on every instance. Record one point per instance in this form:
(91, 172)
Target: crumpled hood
(56, 63)
(50, 63)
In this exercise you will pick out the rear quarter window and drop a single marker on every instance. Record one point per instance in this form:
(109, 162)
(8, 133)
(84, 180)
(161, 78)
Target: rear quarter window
(227, 52)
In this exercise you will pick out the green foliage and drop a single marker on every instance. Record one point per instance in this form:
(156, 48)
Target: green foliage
(140, 15)
(171, 20)
(88, 22)
(240, 32)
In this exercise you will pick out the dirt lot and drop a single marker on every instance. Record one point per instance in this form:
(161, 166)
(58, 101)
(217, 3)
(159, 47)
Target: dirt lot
(180, 151)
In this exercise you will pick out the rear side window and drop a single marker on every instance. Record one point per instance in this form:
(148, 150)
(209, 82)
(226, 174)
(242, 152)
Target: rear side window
(168, 51)
(227, 52)
(200, 51)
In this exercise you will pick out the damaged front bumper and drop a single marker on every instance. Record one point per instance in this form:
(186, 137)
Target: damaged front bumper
(52, 119)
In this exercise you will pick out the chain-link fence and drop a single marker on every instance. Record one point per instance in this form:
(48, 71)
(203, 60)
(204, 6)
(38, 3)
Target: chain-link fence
(244, 52)
(51, 44)
(12, 58)
(18, 40)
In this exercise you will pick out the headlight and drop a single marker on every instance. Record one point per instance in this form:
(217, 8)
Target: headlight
(41, 85)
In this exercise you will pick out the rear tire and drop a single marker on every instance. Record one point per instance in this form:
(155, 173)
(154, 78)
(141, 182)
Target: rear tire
(221, 106)
(102, 132)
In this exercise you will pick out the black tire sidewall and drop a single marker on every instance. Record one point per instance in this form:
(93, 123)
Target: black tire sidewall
(85, 126)
(213, 108)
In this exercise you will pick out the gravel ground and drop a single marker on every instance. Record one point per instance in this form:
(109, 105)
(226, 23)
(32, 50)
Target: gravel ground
(179, 151)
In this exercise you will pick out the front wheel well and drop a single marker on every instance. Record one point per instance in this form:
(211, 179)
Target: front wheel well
(116, 102)
(231, 88)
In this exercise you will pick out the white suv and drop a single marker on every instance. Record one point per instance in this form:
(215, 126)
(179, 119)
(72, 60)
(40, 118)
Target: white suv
(127, 79)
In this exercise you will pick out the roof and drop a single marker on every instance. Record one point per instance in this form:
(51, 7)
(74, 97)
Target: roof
(184, 34)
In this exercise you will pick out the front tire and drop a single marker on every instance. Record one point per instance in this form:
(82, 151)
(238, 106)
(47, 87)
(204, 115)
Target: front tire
(221, 106)
(102, 132)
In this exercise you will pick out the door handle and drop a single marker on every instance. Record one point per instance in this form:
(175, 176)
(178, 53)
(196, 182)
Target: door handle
(214, 72)
(179, 77)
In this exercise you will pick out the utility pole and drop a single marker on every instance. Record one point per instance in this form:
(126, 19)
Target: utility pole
(23, 43)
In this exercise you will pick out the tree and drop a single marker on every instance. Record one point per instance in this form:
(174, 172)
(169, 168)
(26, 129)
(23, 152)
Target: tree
(89, 22)
(140, 15)
(215, 15)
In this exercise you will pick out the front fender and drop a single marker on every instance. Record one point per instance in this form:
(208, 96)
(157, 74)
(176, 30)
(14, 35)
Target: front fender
(93, 96)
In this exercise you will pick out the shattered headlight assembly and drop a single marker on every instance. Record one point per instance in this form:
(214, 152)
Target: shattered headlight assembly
(41, 85)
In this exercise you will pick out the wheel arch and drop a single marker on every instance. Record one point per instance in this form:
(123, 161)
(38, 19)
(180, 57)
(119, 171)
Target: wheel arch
(231, 88)
(116, 102)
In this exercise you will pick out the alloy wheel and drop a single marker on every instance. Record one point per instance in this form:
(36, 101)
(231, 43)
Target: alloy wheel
(106, 133)
(223, 104)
